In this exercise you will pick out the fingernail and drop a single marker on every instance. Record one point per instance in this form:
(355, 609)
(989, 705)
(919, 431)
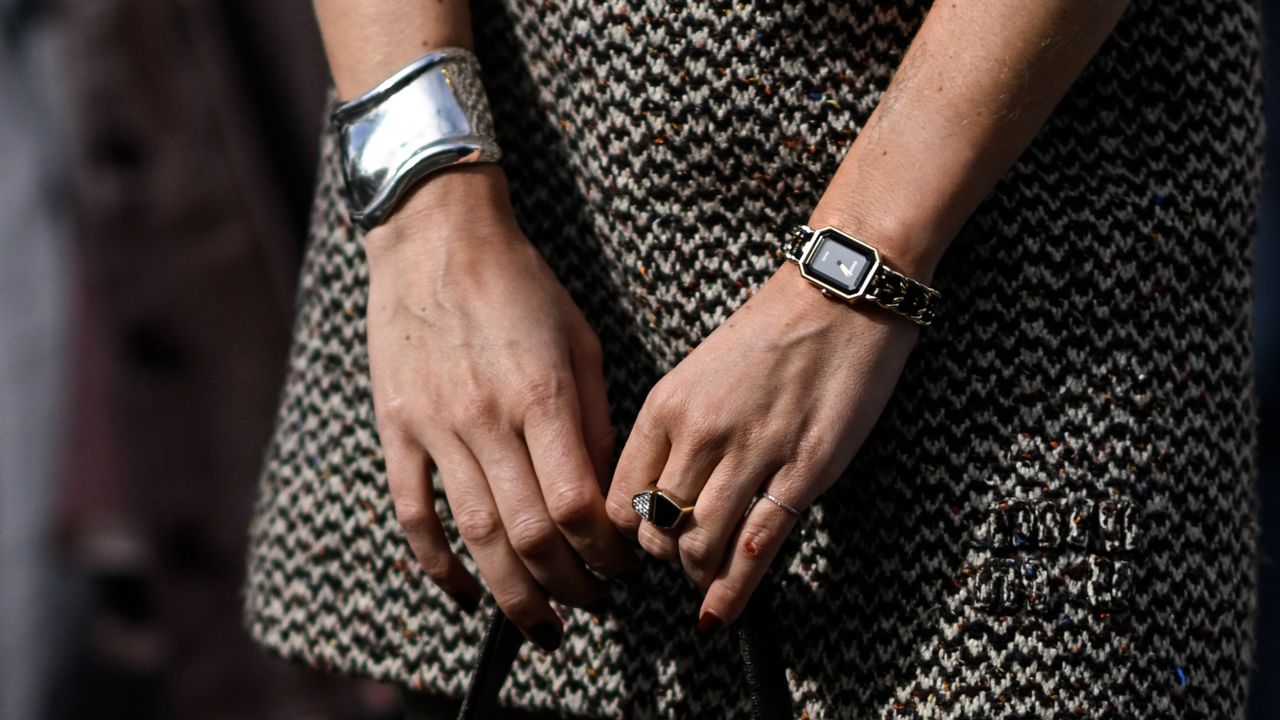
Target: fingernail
(547, 636)
(465, 601)
(709, 621)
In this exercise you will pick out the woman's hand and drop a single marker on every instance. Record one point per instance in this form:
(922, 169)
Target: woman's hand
(482, 364)
(778, 398)
(783, 394)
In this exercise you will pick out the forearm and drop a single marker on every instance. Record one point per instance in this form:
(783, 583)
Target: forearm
(368, 40)
(978, 81)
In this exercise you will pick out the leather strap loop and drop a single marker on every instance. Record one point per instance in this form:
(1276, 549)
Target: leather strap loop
(758, 645)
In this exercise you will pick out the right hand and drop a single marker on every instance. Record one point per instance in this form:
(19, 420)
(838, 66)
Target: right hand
(481, 364)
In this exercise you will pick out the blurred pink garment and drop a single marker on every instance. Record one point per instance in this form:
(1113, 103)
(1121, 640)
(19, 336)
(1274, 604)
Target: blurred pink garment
(194, 132)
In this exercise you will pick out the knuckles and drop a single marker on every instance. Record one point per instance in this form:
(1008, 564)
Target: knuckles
(691, 420)
(658, 545)
(703, 435)
(437, 566)
(544, 390)
(571, 507)
(393, 415)
(533, 537)
(808, 452)
(477, 525)
(696, 553)
(620, 513)
(667, 403)
(759, 539)
(536, 394)
(414, 519)
(477, 411)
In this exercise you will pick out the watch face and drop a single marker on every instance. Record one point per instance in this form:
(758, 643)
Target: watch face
(840, 262)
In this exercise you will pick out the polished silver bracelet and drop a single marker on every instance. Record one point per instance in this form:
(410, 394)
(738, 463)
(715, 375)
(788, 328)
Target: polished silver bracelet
(430, 115)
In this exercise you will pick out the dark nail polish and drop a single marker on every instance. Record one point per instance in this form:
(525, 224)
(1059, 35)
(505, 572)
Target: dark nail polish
(469, 603)
(546, 636)
(709, 621)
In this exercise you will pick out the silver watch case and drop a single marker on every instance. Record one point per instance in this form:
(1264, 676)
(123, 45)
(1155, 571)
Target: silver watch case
(431, 114)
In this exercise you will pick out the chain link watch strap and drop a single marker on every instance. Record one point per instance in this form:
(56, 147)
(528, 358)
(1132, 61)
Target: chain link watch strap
(793, 242)
(888, 288)
(895, 291)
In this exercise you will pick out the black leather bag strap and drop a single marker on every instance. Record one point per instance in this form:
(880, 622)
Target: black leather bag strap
(758, 645)
(761, 652)
(502, 640)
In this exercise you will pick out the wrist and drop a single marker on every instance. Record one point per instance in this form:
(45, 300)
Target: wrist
(846, 267)
(810, 308)
(441, 206)
(911, 247)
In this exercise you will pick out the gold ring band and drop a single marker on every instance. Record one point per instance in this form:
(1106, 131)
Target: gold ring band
(660, 507)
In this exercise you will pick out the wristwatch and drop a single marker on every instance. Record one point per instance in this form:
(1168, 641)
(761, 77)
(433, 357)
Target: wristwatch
(845, 267)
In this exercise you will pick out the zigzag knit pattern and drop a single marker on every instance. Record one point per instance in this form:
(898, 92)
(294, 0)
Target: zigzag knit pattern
(1054, 517)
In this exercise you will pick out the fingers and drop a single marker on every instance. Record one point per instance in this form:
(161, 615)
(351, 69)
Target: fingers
(408, 475)
(684, 475)
(755, 544)
(522, 510)
(597, 431)
(480, 525)
(641, 462)
(571, 488)
(723, 500)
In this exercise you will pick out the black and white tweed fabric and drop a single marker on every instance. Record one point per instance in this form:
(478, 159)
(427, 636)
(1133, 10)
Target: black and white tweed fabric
(1055, 516)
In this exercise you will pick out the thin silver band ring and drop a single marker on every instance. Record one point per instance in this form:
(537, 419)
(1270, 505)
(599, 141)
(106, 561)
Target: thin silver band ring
(780, 503)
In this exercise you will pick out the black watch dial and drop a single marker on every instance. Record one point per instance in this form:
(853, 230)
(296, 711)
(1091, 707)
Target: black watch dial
(840, 262)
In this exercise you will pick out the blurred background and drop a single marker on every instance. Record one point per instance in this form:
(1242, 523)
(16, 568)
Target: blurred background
(156, 167)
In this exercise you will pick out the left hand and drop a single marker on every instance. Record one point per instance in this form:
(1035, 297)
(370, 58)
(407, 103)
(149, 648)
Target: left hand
(779, 398)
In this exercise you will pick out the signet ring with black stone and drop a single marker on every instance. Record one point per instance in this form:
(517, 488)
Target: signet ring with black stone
(660, 508)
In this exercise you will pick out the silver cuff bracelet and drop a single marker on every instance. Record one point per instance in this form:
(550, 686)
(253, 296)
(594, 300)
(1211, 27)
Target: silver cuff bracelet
(431, 114)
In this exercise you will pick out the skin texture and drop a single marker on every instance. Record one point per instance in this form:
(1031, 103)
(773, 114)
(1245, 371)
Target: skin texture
(496, 380)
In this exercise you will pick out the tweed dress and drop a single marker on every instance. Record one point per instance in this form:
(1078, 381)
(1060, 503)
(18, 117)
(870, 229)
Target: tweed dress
(1054, 516)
